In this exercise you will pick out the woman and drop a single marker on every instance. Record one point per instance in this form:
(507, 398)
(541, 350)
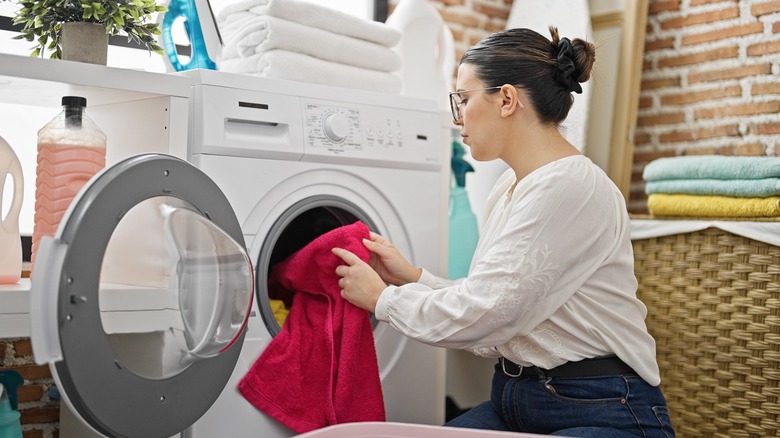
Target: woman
(551, 290)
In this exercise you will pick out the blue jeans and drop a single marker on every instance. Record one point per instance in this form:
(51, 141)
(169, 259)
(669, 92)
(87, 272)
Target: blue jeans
(604, 407)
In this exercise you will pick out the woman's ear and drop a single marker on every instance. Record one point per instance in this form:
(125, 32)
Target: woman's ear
(510, 100)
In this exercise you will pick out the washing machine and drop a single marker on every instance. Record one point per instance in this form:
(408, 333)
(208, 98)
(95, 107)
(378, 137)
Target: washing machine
(150, 302)
(297, 160)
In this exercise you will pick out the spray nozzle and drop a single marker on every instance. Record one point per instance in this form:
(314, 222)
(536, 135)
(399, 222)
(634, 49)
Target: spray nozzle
(459, 166)
(9, 381)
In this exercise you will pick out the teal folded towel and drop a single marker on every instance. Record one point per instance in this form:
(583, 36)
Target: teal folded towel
(738, 188)
(712, 167)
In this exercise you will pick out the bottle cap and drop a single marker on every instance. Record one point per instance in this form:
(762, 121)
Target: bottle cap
(74, 101)
(459, 165)
(11, 380)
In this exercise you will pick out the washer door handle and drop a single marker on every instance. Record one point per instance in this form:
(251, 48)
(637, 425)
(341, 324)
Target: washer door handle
(44, 333)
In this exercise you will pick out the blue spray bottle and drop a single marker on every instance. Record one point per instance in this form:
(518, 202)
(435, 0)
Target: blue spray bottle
(464, 232)
(10, 426)
(202, 32)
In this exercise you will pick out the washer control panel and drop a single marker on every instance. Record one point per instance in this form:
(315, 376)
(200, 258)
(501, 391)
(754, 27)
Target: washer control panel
(363, 132)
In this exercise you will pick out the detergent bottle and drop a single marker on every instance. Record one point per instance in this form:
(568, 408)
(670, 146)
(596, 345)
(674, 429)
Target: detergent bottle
(10, 240)
(202, 32)
(10, 426)
(71, 149)
(464, 232)
(427, 49)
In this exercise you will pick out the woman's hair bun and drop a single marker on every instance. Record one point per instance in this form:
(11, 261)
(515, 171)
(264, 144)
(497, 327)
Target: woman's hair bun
(574, 60)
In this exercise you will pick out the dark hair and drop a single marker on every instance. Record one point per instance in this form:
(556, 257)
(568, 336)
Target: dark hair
(548, 71)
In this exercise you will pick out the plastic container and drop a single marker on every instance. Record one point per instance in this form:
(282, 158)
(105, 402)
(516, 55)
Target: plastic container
(426, 49)
(202, 32)
(371, 429)
(71, 149)
(464, 231)
(10, 240)
(10, 426)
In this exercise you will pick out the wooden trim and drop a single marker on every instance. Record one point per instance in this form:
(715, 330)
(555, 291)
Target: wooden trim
(621, 152)
(609, 19)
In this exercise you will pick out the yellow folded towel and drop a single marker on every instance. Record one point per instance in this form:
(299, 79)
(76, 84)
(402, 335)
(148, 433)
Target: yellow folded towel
(279, 310)
(661, 204)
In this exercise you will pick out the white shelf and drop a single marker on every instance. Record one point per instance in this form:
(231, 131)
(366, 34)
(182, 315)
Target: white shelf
(42, 82)
(15, 309)
(126, 309)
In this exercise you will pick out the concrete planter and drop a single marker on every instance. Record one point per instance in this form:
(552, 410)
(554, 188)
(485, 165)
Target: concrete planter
(84, 42)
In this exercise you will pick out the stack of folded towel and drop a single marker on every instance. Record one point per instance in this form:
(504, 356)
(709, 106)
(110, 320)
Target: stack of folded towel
(307, 42)
(713, 186)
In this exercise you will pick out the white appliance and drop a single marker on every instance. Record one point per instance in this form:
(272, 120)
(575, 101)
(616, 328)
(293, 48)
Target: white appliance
(296, 160)
(272, 165)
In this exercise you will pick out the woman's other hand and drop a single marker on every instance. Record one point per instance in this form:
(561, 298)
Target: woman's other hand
(388, 262)
(359, 283)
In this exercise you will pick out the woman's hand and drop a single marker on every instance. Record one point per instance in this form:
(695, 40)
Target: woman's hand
(359, 284)
(388, 262)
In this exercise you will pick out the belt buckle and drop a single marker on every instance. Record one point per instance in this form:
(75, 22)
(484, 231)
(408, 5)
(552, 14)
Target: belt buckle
(503, 368)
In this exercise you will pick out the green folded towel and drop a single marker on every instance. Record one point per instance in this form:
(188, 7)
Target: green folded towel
(738, 188)
(712, 167)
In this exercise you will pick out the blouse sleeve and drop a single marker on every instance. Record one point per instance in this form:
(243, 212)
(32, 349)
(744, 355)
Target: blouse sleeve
(540, 248)
(434, 282)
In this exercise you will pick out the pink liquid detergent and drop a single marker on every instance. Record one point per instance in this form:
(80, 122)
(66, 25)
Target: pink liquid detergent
(62, 171)
(71, 149)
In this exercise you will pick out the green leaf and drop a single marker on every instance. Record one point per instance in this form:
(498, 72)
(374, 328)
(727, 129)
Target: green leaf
(41, 20)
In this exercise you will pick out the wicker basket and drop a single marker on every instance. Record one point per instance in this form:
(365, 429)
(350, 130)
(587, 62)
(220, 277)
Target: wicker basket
(713, 303)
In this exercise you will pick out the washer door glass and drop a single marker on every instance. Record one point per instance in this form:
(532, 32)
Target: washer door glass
(181, 288)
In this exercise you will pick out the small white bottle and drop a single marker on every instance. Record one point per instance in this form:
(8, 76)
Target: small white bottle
(10, 241)
(426, 50)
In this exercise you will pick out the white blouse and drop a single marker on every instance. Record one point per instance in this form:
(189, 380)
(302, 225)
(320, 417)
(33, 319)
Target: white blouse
(551, 281)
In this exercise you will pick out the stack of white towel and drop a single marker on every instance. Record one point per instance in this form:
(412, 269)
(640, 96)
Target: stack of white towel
(302, 41)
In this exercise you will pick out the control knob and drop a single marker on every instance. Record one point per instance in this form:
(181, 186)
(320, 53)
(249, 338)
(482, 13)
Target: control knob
(336, 127)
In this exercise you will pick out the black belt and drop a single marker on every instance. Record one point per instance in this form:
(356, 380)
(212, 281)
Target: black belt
(594, 367)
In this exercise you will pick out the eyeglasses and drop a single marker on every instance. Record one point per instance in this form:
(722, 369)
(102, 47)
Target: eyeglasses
(456, 101)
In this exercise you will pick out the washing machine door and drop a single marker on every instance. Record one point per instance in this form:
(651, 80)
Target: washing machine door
(140, 301)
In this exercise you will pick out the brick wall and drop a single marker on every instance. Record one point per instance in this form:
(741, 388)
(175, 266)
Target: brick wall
(709, 83)
(471, 20)
(40, 414)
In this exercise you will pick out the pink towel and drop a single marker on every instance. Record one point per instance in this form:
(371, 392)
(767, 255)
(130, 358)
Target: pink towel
(321, 369)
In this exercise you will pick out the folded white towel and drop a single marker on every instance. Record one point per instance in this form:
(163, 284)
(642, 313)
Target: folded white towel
(247, 34)
(292, 66)
(321, 17)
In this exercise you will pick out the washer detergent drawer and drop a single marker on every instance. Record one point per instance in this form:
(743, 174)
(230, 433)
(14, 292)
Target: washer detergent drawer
(242, 123)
